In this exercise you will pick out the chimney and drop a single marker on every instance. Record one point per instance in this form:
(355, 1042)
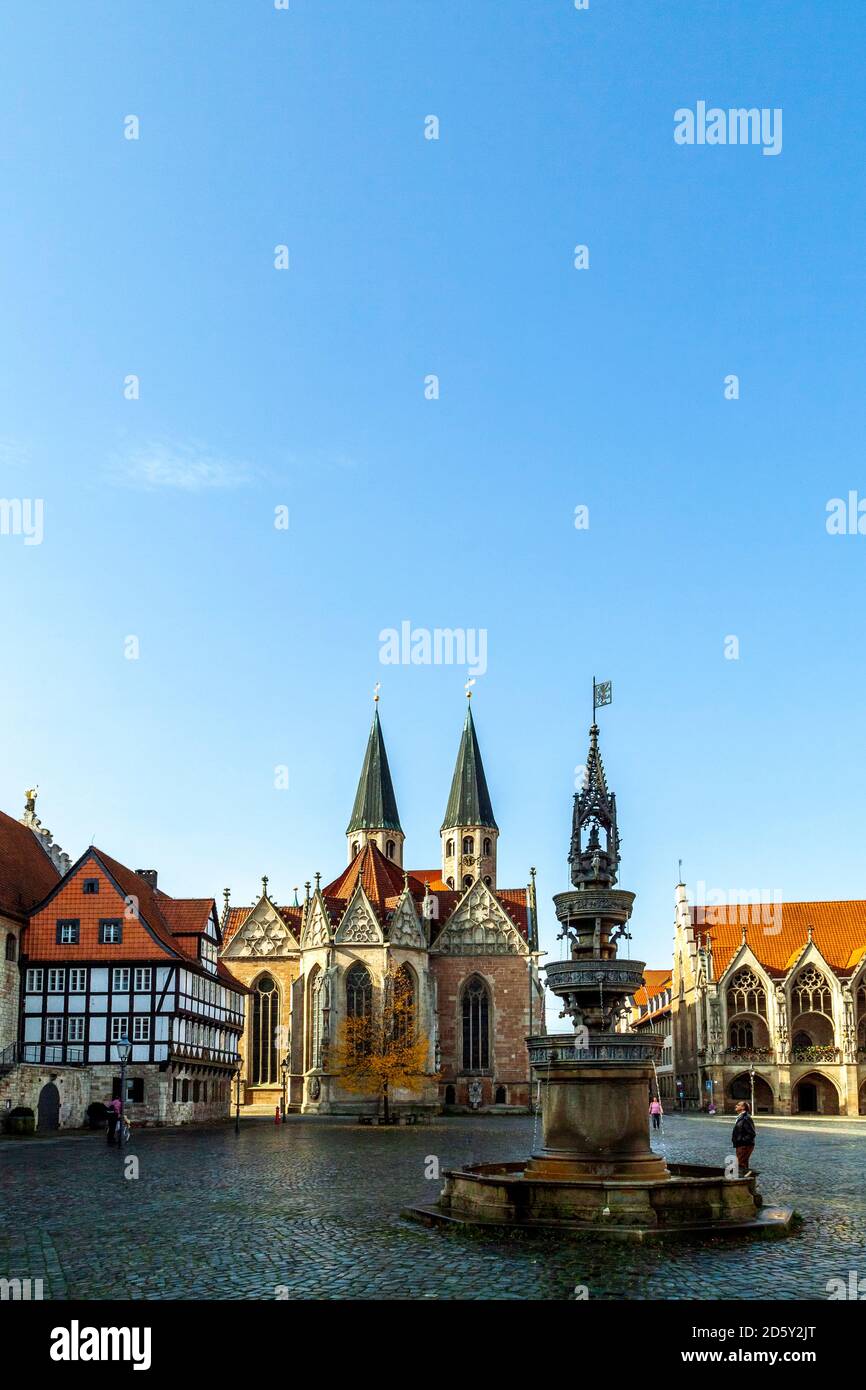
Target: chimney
(149, 876)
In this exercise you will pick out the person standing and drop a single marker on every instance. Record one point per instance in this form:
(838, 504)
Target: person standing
(656, 1112)
(743, 1138)
(113, 1109)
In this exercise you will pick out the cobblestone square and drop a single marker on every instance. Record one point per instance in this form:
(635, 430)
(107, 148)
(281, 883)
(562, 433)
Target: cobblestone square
(312, 1211)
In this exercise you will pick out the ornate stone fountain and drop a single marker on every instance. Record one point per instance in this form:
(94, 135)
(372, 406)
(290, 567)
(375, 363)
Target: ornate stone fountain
(595, 1171)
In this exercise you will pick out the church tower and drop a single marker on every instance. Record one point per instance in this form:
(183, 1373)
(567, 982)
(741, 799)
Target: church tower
(469, 832)
(374, 817)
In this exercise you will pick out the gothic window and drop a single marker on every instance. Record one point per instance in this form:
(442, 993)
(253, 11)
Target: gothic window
(476, 1025)
(468, 844)
(746, 995)
(812, 993)
(389, 849)
(359, 993)
(487, 846)
(316, 1006)
(10, 946)
(404, 1004)
(355, 848)
(449, 848)
(263, 1028)
(742, 1035)
(467, 880)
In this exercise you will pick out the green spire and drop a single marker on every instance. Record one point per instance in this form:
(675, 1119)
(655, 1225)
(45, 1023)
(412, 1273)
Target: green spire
(469, 802)
(375, 805)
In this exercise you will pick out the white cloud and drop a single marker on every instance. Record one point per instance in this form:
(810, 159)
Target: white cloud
(181, 467)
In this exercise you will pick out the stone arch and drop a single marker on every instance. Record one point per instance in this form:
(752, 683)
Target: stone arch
(815, 1093)
(811, 1009)
(740, 1088)
(48, 1107)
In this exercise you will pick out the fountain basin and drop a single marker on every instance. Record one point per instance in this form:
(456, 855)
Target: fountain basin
(691, 1200)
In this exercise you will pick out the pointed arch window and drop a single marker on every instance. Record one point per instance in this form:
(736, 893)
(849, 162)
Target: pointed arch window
(449, 848)
(468, 844)
(317, 1015)
(263, 1025)
(389, 849)
(487, 845)
(746, 995)
(404, 1004)
(811, 993)
(467, 880)
(359, 993)
(475, 1007)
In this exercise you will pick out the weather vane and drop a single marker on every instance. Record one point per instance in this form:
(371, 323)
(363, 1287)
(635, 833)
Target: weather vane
(468, 687)
(376, 688)
(602, 694)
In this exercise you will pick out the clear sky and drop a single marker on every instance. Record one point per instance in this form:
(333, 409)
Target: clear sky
(558, 388)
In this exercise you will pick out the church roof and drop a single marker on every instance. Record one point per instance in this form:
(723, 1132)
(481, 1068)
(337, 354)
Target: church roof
(234, 919)
(778, 933)
(375, 805)
(27, 874)
(469, 801)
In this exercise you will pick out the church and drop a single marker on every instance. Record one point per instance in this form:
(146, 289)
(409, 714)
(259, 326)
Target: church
(463, 949)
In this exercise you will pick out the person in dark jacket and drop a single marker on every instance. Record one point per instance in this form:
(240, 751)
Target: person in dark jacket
(743, 1138)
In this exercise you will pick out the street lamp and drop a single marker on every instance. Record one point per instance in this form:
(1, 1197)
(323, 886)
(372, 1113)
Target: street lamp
(238, 1095)
(284, 1068)
(752, 1084)
(123, 1048)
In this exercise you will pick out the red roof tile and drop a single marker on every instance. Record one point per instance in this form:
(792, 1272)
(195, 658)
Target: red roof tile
(778, 933)
(27, 874)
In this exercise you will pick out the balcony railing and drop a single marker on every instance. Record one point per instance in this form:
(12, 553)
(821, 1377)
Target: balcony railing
(816, 1053)
(42, 1054)
(749, 1054)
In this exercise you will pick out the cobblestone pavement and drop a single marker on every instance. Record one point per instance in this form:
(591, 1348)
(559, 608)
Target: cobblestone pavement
(314, 1207)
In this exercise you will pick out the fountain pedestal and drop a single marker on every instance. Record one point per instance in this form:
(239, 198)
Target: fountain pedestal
(594, 1123)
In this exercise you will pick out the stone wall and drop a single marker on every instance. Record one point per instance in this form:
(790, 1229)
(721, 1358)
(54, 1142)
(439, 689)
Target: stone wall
(507, 979)
(23, 1084)
(10, 983)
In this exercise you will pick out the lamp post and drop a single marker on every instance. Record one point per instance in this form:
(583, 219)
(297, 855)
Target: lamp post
(752, 1084)
(123, 1048)
(284, 1068)
(238, 1095)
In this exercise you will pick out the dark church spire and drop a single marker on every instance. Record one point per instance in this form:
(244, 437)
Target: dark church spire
(469, 801)
(375, 805)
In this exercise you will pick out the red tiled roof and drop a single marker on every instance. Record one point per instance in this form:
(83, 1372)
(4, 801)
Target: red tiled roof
(778, 933)
(185, 915)
(654, 982)
(27, 874)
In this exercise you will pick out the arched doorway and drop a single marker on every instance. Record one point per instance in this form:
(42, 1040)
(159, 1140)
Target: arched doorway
(815, 1094)
(49, 1107)
(741, 1089)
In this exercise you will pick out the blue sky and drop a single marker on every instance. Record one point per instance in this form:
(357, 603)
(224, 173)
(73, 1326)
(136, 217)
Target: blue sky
(558, 388)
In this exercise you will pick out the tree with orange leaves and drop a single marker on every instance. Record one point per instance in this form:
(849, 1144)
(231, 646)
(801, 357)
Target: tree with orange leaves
(383, 1050)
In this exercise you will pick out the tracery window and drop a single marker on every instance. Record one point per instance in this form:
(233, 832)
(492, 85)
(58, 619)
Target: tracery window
(316, 997)
(812, 994)
(746, 994)
(404, 1003)
(263, 1028)
(742, 1035)
(476, 1025)
(359, 993)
